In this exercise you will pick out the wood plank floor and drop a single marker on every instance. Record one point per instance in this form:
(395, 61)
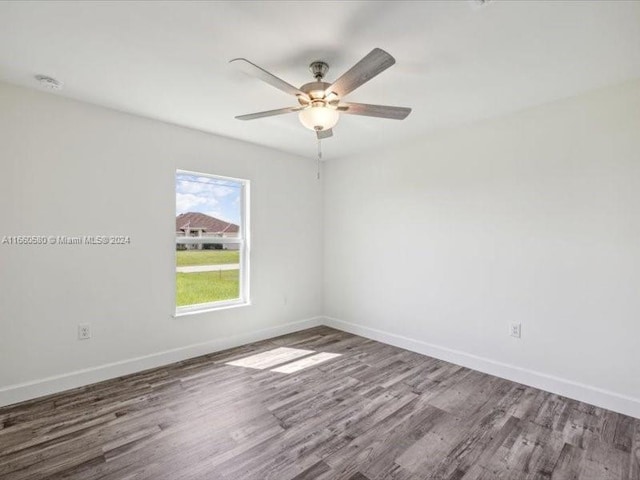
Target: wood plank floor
(374, 412)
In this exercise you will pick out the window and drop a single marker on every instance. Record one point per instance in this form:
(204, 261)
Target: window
(212, 242)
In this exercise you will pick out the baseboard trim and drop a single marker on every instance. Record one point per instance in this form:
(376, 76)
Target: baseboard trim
(46, 386)
(585, 393)
(560, 386)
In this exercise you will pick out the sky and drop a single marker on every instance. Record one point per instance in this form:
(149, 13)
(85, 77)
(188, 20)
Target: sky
(212, 196)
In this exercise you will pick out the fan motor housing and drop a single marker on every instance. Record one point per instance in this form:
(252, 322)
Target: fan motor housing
(315, 89)
(316, 92)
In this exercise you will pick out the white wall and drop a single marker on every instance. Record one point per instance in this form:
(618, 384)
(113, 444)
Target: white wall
(69, 168)
(435, 246)
(438, 244)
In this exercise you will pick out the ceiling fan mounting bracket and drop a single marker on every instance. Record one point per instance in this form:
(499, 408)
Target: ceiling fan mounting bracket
(319, 69)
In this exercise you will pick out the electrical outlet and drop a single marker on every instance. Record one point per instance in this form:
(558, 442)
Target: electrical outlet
(84, 331)
(515, 330)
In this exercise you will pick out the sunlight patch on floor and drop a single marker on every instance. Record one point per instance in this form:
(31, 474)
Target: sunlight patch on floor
(305, 362)
(286, 360)
(271, 358)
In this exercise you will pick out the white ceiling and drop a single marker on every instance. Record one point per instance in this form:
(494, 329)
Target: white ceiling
(456, 63)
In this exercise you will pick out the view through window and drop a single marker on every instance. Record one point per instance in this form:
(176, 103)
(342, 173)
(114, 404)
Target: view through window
(211, 241)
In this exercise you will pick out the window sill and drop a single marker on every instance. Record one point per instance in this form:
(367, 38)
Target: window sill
(212, 307)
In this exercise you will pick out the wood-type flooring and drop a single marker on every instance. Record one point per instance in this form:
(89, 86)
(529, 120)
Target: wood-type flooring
(373, 412)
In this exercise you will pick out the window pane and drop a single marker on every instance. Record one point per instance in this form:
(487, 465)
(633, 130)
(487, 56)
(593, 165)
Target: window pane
(207, 208)
(206, 287)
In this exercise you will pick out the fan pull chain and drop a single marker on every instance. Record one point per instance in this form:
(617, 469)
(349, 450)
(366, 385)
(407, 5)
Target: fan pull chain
(319, 157)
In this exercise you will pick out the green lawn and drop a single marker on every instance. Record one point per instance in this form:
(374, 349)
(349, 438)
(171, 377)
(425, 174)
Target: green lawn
(204, 287)
(187, 258)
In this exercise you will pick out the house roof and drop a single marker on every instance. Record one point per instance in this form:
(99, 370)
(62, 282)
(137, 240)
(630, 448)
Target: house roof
(196, 220)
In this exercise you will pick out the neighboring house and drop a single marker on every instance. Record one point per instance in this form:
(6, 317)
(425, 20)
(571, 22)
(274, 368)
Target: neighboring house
(194, 224)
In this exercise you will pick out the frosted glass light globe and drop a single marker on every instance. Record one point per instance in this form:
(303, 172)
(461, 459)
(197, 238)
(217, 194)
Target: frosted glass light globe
(319, 118)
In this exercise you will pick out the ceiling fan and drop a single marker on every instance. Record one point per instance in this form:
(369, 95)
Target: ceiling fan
(320, 103)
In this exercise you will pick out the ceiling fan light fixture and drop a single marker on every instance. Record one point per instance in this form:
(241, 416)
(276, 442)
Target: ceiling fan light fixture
(319, 101)
(319, 118)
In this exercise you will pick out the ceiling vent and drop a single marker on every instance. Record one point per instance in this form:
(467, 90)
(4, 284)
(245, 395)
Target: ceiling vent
(48, 82)
(476, 4)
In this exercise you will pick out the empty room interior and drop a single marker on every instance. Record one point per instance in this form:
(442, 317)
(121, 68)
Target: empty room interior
(320, 240)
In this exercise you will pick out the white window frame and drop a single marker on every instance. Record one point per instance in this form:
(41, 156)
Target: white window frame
(243, 242)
